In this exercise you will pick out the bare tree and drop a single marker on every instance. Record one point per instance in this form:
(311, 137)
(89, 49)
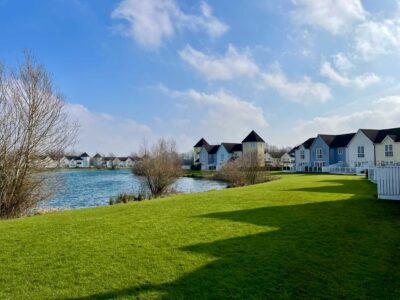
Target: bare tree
(158, 166)
(33, 123)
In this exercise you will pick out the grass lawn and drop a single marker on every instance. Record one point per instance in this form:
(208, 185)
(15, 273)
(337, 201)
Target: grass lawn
(303, 236)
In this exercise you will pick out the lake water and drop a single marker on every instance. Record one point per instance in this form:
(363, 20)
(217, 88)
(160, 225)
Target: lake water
(90, 188)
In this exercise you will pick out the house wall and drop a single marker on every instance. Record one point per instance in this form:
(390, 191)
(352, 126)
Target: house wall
(335, 157)
(222, 156)
(286, 159)
(203, 156)
(196, 153)
(319, 143)
(360, 139)
(381, 159)
(302, 162)
(258, 147)
(85, 162)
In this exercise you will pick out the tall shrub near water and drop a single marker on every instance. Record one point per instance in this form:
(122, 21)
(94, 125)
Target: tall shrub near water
(33, 123)
(159, 167)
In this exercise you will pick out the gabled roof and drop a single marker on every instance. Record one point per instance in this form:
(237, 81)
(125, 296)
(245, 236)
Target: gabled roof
(97, 155)
(253, 137)
(342, 140)
(84, 154)
(201, 143)
(232, 147)
(307, 144)
(212, 149)
(276, 154)
(377, 136)
(372, 134)
(292, 152)
(73, 157)
(394, 133)
(327, 138)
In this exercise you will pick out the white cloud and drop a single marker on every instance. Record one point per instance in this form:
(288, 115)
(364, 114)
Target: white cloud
(233, 64)
(151, 22)
(361, 81)
(227, 117)
(104, 133)
(303, 91)
(382, 113)
(342, 62)
(335, 16)
(375, 38)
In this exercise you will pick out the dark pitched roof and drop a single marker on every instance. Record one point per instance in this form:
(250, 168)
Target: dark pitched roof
(394, 133)
(70, 157)
(232, 147)
(378, 135)
(97, 156)
(342, 140)
(327, 138)
(84, 154)
(122, 158)
(277, 154)
(212, 149)
(201, 143)
(308, 143)
(253, 137)
(372, 134)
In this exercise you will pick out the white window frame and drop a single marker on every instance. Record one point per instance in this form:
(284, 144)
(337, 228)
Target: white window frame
(340, 151)
(319, 153)
(389, 150)
(302, 154)
(360, 154)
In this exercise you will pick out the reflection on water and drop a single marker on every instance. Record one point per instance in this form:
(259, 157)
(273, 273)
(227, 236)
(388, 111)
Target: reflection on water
(90, 188)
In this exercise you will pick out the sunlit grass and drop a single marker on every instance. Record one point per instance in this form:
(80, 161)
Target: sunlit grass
(303, 236)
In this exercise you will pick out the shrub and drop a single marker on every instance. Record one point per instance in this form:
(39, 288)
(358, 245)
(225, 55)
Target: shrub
(125, 198)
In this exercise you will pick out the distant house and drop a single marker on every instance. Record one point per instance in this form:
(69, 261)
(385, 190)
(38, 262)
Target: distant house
(215, 156)
(82, 161)
(302, 155)
(361, 150)
(97, 160)
(278, 159)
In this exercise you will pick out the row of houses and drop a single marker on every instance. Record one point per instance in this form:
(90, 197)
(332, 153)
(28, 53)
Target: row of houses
(85, 161)
(213, 157)
(363, 149)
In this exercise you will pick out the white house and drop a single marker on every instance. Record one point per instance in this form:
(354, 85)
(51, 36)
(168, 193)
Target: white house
(70, 161)
(226, 152)
(361, 149)
(302, 155)
(212, 157)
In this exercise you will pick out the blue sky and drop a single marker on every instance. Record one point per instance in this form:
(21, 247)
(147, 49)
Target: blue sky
(137, 69)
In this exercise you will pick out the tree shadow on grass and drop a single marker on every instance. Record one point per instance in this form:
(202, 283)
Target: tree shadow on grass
(337, 249)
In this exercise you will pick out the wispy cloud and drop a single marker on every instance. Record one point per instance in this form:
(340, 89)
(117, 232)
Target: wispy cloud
(233, 64)
(335, 16)
(361, 81)
(227, 116)
(152, 22)
(304, 90)
(384, 112)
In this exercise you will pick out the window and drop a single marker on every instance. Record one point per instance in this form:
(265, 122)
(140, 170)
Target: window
(389, 150)
(340, 151)
(302, 154)
(222, 157)
(319, 153)
(360, 151)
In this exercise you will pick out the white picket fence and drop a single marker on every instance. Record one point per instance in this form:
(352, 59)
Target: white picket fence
(387, 180)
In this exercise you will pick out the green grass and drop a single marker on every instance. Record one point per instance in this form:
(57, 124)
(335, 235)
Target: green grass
(303, 236)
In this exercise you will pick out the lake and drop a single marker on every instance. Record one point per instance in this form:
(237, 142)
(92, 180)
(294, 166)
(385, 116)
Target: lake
(89, 188)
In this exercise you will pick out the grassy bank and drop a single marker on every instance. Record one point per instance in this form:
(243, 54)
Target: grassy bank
(304, 236)
(199, 174)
